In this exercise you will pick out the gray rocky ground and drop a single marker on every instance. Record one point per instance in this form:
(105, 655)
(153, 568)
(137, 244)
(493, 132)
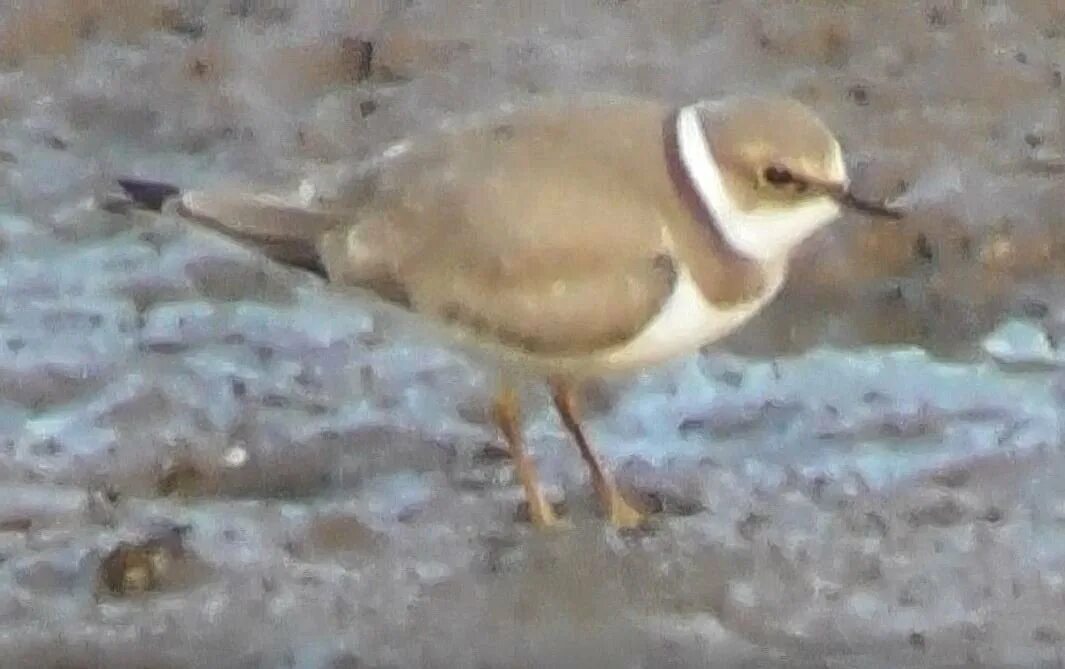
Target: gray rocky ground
(208, 461)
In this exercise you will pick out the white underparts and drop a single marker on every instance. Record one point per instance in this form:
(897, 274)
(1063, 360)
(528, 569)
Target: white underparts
(765, 235)
(688, 321)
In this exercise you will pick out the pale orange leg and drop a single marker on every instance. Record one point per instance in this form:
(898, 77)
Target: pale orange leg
(507, 414)
(619, 511)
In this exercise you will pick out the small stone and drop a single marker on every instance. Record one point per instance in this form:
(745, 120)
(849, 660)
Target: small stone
(142, 567)
(954, 477)
(16, 524)
(859, 95)
(492, 454)
(367, 107)
(1047, 634)
(943, 512)
(235, 456)
(1019, 341)
(338, 533)
(668, 502)
(356, 58)
(917, 641)
(181, 478)
(750, 525)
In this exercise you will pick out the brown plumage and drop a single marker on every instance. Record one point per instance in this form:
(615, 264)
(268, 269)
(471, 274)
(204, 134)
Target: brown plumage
(565, 262)
(575, 238)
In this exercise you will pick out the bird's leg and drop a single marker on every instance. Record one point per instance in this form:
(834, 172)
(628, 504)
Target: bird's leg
(507, 413)
(619, 511)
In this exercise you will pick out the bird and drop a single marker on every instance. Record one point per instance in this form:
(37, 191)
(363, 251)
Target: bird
(571, 238)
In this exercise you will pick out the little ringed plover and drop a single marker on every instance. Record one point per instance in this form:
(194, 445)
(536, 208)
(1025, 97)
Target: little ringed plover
(570, 238)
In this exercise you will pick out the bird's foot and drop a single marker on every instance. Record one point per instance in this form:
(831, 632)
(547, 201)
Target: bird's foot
(540, 511)
(619, 511)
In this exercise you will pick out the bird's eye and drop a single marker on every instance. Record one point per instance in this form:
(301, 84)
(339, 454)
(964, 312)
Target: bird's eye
(777, 176)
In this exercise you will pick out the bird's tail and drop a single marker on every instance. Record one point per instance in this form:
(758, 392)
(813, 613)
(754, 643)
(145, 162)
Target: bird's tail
(286, 232)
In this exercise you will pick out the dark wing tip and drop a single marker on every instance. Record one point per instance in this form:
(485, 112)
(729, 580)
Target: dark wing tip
(148, 194)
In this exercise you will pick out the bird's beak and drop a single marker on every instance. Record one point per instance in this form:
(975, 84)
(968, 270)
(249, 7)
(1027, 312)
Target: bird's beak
(846, 198)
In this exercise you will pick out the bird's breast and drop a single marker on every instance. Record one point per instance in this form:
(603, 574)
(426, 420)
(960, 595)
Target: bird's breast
(686, 322)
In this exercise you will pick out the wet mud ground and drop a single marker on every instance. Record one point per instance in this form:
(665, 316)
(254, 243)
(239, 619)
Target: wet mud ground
(206, 460)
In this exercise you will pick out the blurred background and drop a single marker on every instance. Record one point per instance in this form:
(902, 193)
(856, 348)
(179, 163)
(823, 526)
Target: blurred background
(206, 460)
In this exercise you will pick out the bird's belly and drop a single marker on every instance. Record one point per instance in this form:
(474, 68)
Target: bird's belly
(686, 322)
